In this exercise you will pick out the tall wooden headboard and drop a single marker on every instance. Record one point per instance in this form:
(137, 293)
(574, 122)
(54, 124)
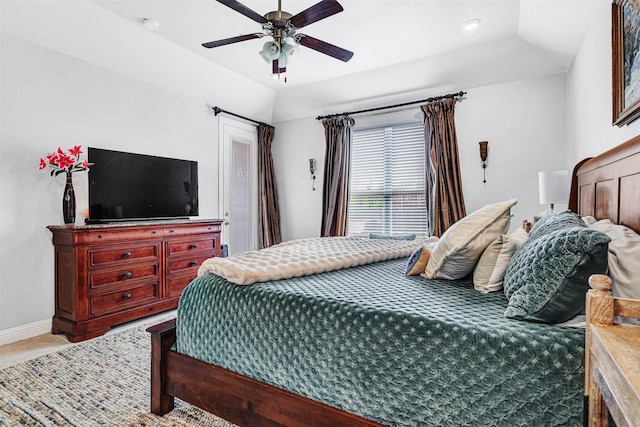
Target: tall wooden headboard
(608, 185)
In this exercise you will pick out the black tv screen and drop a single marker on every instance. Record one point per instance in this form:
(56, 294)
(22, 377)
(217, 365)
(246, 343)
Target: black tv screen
(128, 186)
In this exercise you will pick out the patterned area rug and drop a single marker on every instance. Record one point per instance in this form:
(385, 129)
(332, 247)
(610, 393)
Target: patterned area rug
(100, 382)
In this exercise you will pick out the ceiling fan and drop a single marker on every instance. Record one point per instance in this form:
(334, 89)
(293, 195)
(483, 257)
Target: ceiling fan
(282, 26)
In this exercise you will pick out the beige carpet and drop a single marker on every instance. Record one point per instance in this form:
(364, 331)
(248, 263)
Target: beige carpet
(100, 382)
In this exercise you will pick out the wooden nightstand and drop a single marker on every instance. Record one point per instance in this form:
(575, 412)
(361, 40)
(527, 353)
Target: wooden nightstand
(612, 379)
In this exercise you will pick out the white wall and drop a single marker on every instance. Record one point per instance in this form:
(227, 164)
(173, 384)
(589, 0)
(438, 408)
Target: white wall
(50, 99)
(523, 121)
(589, 115)
(294, 143)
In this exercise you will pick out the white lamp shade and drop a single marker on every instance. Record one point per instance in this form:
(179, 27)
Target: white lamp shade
(554, 186)
(290, 51)
(270, 51)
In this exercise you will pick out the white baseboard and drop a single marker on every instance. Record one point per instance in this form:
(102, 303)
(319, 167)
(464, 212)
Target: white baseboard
(23, 332)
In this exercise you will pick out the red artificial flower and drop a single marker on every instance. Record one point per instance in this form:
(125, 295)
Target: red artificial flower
(75, 151)
(61, 161)
(52, 159)
(65, 161)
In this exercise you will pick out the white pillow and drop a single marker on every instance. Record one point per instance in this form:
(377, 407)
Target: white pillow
(624, 258)
(460, 247)
(519, 236)
(489, 272)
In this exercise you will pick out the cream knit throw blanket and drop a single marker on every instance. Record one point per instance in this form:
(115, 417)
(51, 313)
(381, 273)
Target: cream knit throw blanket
(306, 256)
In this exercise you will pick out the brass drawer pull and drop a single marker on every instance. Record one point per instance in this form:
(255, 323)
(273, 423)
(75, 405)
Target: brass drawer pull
(126, 296)
(126, 254)
(194, 262)
(127, 275)
(193, 246)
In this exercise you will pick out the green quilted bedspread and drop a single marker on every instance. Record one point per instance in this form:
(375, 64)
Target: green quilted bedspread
(403, 351)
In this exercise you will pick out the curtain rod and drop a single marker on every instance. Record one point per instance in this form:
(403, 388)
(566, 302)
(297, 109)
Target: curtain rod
(434, 98)
(218, 110)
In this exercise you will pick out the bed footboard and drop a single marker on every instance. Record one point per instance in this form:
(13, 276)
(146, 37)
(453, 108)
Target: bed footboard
(233, 397)
(163, 336)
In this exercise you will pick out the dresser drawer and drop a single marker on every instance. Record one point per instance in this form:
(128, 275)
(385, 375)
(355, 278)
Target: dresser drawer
(124, 254)
(102, 278)
(190, 246)
(191, 229)
(186, 264)
(176, 285)
(113, 302)
(120, 235)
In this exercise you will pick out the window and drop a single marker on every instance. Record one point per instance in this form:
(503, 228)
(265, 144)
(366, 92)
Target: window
(387, 181)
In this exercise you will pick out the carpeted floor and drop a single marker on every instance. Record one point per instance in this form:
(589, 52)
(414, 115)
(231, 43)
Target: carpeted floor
(100, 382)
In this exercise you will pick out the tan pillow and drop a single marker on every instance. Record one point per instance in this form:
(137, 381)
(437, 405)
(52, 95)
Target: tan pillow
(460, 247)
(624, 258)
(489, 272)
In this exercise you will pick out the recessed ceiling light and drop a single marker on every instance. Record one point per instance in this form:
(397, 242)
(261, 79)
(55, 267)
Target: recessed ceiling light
(150, 24)
(471, 24)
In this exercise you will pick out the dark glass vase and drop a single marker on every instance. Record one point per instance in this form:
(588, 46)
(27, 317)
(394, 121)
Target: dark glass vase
(69, 202)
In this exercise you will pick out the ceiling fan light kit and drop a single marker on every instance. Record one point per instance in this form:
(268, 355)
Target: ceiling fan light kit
(282, 27)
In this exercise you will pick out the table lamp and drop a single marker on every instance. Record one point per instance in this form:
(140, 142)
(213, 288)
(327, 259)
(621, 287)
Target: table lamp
(554, 187)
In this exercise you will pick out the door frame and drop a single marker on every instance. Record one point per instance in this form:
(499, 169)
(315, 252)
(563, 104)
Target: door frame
(228, 129)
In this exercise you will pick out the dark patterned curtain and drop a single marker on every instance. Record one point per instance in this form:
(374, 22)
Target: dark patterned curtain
(335, 190)
(444, 180)
(268, 212)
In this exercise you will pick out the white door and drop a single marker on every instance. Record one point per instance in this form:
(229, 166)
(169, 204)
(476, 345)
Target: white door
(238, 185)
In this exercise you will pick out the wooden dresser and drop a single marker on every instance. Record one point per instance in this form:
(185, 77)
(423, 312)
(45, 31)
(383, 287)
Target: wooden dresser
(109, 274)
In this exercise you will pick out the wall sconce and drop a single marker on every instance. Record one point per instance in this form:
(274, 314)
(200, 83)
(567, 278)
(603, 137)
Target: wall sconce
(484, 154)
(312, 169)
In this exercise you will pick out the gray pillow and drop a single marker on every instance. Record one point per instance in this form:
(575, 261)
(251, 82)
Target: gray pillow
(547, 278)
(553, 222)
(393, 236)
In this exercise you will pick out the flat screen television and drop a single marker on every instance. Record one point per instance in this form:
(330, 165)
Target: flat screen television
(127, 186)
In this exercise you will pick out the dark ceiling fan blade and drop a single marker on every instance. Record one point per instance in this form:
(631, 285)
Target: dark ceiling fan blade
(324, 47)
(232, 40)
(239, 7)
(315, 13)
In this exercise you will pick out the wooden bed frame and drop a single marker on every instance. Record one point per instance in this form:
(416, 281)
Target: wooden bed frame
(607, 186)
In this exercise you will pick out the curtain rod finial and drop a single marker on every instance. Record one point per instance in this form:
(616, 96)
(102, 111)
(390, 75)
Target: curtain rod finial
(217, 110)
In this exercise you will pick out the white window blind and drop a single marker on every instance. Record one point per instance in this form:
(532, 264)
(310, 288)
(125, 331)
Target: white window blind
(387, 181)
